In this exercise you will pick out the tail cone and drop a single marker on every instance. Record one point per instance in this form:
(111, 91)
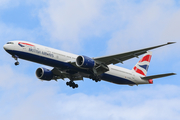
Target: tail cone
(150, 81)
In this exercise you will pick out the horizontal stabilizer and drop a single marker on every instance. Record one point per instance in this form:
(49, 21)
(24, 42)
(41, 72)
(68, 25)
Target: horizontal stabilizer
(157, 76)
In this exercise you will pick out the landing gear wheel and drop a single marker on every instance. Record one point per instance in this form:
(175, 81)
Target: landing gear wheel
(98, 80)
(72, 84)
(76, 85)
(67, 83)
(16, 63)
(95, 78)
(16, 58)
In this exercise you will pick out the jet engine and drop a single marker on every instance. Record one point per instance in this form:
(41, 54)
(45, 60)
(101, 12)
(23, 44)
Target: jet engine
(85, 62)
(44, 74)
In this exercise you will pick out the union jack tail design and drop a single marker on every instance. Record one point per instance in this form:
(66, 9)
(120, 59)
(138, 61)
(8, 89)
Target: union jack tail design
(142, 66)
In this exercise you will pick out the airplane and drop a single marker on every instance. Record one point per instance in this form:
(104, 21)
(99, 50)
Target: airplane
(76, 67)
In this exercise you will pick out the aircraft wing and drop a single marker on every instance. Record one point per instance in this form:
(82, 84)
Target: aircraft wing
(59, 74)
(62, 75)
(119, 58)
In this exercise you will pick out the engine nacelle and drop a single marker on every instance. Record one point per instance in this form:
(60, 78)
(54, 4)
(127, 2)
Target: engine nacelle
(44, 74)
(85, 62)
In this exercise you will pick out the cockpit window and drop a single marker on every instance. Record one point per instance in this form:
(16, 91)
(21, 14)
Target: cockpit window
(10, 43)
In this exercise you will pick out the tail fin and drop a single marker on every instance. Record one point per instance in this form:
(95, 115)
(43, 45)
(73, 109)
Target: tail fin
(142, 66)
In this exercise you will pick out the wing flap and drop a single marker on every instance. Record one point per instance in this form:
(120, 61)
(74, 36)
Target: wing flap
(59, 74)
(157, 76)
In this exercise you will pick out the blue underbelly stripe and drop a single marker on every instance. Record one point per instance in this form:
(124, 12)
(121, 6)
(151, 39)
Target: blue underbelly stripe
(115, 79)
(63, 65)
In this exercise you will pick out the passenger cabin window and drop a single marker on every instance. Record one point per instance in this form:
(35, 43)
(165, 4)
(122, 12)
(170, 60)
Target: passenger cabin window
(10, 43)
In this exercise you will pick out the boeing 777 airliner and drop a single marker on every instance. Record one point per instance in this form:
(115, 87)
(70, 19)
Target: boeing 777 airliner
(76, 67)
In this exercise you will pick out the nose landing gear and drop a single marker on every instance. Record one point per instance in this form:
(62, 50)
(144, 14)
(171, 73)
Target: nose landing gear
(16, 58)
(16, 63)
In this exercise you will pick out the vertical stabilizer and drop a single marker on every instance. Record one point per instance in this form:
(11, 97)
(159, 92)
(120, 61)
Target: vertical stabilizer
(142, 66)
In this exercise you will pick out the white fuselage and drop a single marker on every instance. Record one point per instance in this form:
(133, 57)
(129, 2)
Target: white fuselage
(57, 58)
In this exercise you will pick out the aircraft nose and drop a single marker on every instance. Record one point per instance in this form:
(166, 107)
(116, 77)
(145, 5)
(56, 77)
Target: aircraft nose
(5, 47)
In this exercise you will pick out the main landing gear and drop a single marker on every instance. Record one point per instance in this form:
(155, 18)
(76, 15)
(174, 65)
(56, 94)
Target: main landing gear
(72, 84)
(95, 78)
(16, 58)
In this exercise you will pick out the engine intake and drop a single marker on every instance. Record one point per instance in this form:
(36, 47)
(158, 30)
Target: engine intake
(85, 62)
(44, 74)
